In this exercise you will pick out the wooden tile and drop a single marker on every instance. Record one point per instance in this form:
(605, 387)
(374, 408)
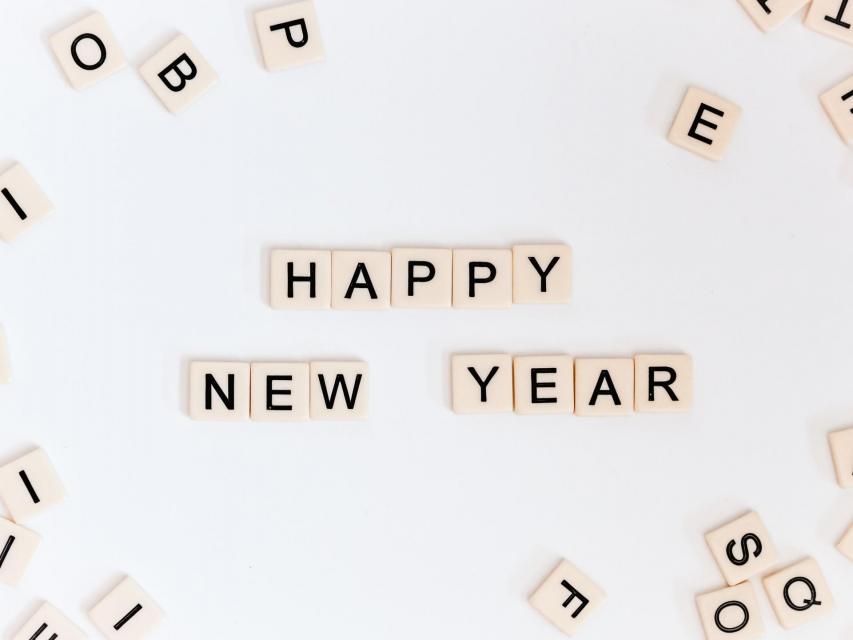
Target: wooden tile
(541, 274)
(49, 623)
(769, 14)
(799, 593)
(127, 613)
(704, 124)
(30, 486)
(88, 51)
(219, 391)
(543, 384)
(339, 390)
(567, 598)
(280, 391)
(178, 74)
(17, 548)
(5, 361)
(361, 280)
(845, 545)
(421, 278)
(841, 444)
(838, 104)
(732, 612)
(300, 279)
(22, 203)
(289, 35)
(742, 548)
(482, 383)
(832, 18)
(482, 278)
(663, 383)
(604, 386)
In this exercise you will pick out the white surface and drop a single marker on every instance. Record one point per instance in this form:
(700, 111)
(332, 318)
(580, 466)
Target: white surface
(451, 123)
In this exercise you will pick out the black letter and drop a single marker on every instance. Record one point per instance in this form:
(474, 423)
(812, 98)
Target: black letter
(846, 96)
(311, 279)
(809, 602)
(412, 279)
(723, 607)
(14, 204)
(340, 381)
(603, 378)
(665, 384)
(483, 383)
(277, 392)
(837, 19)
(6, 548)
(535, 385)
(182, 77)
(473, 280)
(211, 383)
(118, 625)
(287, 26)
(698, 120)
(29, 487)
(103, 51)
(574, 594)
(360, 270)
(543, 287)
(744, 547)
(764, 6)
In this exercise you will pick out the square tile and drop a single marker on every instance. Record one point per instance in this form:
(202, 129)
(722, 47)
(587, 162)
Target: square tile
(88, 51)
(541, 274)
(220, 391)
(127, 613)
(300, 279)
(742, 548)
(178, 74)
(841, 444)
(421, 278)
(5, 361)
(732, 612)
(845, 545)
(49, 623)
(663, 383)
(22, 203)
(29, 486)
(544, 384)
(838, 104)
(604, 386)
(482, 278)
(704, 124)
(567, 598)
(482, 383)
(832, 18)
(339, 390)
(280, 391)
(17, 548)
(289, 35)
(799, 593)
(769, 14)
(361, 280)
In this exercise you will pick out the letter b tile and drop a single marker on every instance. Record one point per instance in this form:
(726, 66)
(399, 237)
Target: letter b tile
(289, 35)
(29, 486)
(178, 74)
(742, 548)
(799, 593)
(732, 612)
(704, 124)
(127, 613)
(567, 598)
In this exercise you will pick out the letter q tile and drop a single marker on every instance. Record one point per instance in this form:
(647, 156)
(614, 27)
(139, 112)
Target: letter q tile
(178, 74)
(799, 593)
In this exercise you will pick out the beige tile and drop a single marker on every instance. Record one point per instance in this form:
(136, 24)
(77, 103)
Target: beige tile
(22, 203)
(541, 274)
(30, 486)
(482, 278)
(280, 391)
(841, 444)
(732, 612)
(49, 623)
(88, 51)
(300, 279)
(5, 360)
(219, 391)
(289, 35)
(799, 593)
(704, 124)
(482, 383)
(832, 18)
(17, 548)
(604, 386)
(178, 74)
(361, 280)
(838, 104)
(421, 278)
(339, 390)
(544, 384)
(127, 613)
(845, 545)
(663, 383)
(742, 548)
(769, 14)
(567, 598)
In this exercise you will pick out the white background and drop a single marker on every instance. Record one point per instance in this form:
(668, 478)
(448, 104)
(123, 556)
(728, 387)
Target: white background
(443, 123)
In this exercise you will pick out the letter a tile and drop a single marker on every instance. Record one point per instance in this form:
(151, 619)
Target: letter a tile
(178, 74)
(567, 598)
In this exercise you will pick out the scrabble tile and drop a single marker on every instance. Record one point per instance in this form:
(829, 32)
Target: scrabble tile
(17, 548)
(22, 203)
(663, 383)
(482, 278)
(339, 390)
(300, 279)
(88, 51)
(604, 386)
(178, 74)
(361, 280)
(705, 124)
(832, 18)
(567, 598)
(421, 278)
(543, 384)
(742, 548)
(280, 391)
(845, 545)
(799, 593)
(219, 390)
(482, 383)
(49, 623)
(5, 362)
(541, 274)
(841, 443)
(289, 35)
(127, 613)
(769, 14)
(838, 104)
(30, 486)
(732, 612)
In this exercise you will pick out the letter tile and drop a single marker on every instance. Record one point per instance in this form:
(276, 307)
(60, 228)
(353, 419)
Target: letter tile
(541, 274)
(219, 391)
(769, 14)
(567, 598)
(29, 486)
(49, 623)
(732, 612)
(604, 386)
(88, 51)
(289, 35)
(17, 548)
(127, 613)
(841, 443)
(799, 593)
(663, 383)
(482, 278)
(5, 362)
(482, 383)
(280, 391)
(421, 278)
(22, 203)
(339, 390)
(845, 545)
(742, 548)
(543, 384)
(361, 279)
(831, 18)
(300, 279)
(705, 124)
(178, 74)
(838, 104)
